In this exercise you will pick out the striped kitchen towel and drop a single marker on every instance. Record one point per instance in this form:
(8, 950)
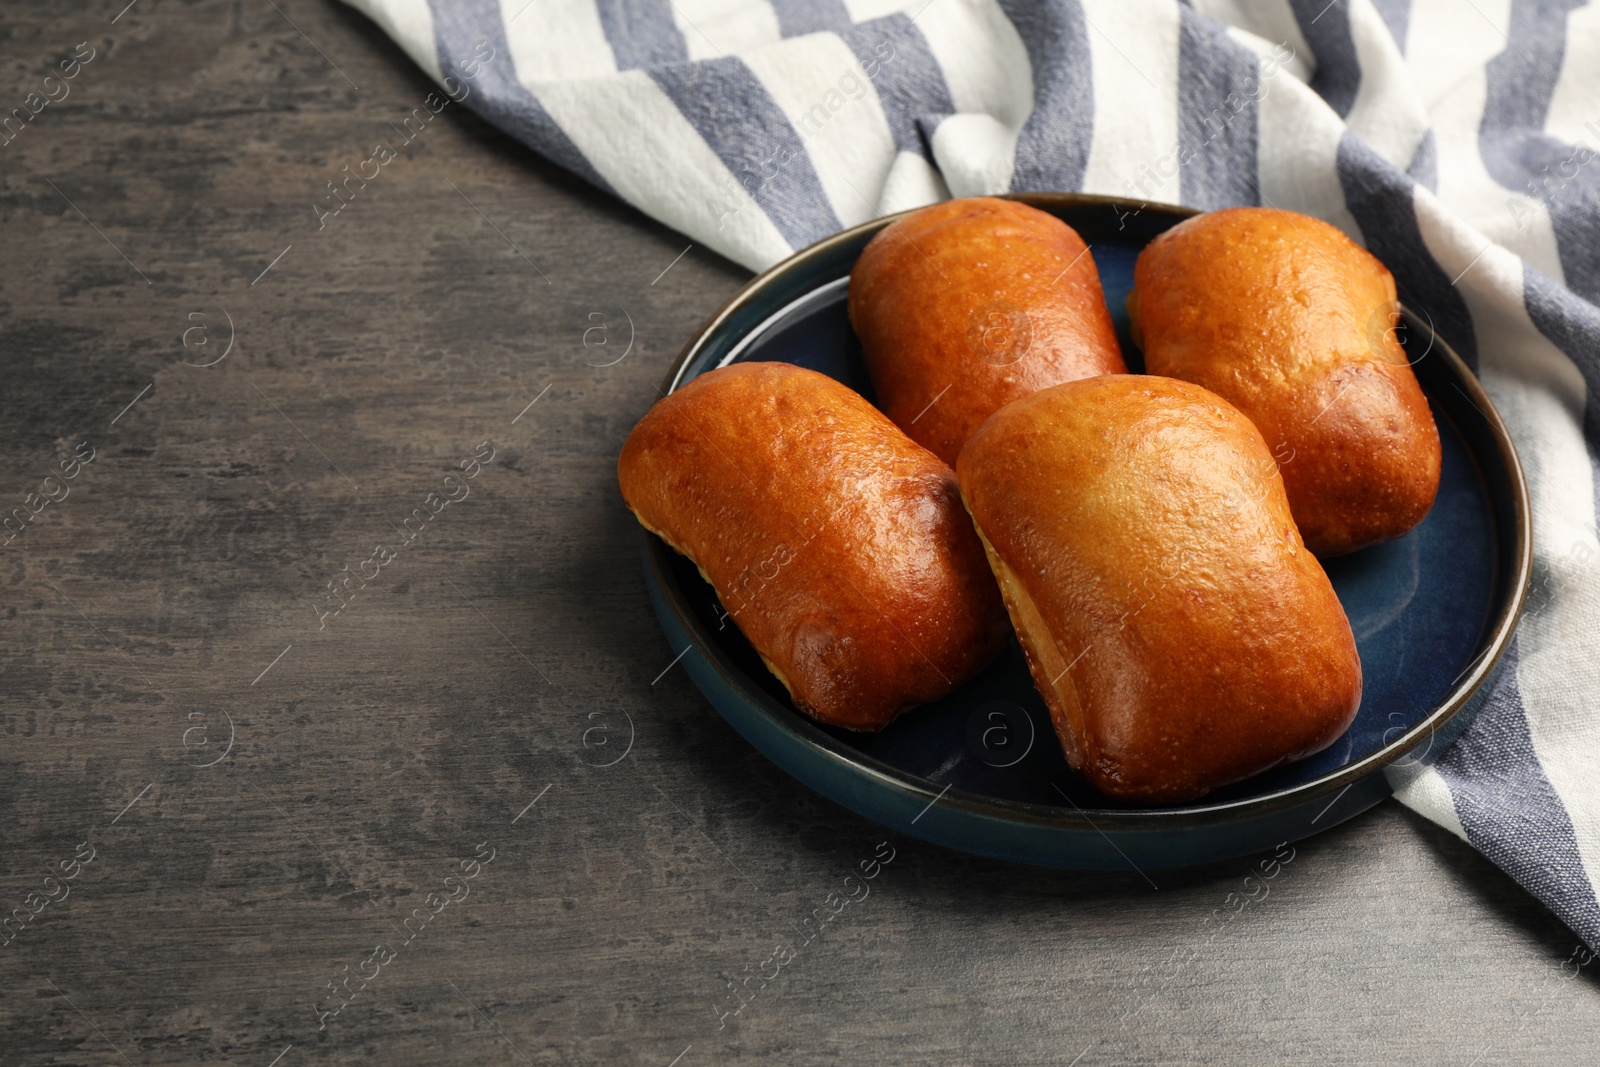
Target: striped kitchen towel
(1457, 140)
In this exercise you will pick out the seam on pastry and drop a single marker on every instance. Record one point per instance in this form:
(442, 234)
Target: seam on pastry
(1046, 661)
(680, 551)
(776, 673)
(780, 676)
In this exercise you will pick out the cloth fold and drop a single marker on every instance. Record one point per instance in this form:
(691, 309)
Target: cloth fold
(1460, 143)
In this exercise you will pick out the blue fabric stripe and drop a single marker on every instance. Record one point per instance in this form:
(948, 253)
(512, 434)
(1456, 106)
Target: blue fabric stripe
(458, 27)
(1522, 78)
(796, 18)
(1566, 179)
(1219, 83)
(1326, 28)
(642, 33)
(1053, 146)
(1397, 16)
(1573, 326)
(909, 80)
(1510, 811)
(1380, 198)
(1424, 168)
(1521, 81)
(728, 106)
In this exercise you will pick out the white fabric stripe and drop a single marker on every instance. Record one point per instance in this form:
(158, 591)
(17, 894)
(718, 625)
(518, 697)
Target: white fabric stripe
(713, 28)
(1575, 105)
(627, 126)
(1387, 113)
(1297, 155)
(985, 63)
(1272, 21)
(912, 182)
(557, 39)
(1423, 791)
(1560, 683)
(1541, 395)
(862, 10)
(1448, 42)
(1134, 52)
(409, 23)
(990, 78)
(976, 154)
(1512, 219)
(818, 83)
(1297, 66)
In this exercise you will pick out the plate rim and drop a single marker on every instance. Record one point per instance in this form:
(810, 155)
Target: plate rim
(1496, 642)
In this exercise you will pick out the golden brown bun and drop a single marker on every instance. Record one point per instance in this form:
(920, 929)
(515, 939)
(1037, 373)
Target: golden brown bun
(1180, 633)
(837, 543)
(967, 305)
(1291, 321)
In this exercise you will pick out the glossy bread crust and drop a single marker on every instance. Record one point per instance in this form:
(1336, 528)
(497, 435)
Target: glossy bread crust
(837, 544)
(1180, 632)
(964, 306)
(1293, 322)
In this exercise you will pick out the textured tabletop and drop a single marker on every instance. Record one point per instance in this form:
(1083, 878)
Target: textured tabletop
(335, 725)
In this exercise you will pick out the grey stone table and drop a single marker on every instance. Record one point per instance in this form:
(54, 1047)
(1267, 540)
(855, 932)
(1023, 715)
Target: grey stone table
(272, 795)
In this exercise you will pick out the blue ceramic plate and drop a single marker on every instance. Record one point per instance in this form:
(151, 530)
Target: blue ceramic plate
(981, 770)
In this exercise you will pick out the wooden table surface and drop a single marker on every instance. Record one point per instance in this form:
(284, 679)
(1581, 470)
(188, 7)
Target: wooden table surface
(254, 776)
